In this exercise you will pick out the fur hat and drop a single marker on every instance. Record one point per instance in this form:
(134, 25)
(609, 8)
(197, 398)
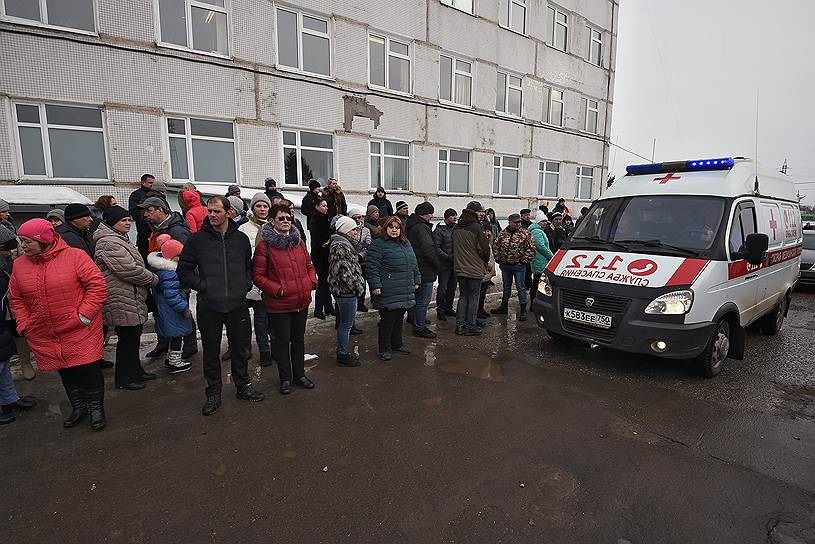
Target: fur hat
(345, 224)
(171, 249)
(38, 230)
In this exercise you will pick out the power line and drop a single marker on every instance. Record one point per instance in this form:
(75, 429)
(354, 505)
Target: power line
(628, 151)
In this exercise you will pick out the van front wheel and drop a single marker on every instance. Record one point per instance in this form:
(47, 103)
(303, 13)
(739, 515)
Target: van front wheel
(709, 362)
(772, 322)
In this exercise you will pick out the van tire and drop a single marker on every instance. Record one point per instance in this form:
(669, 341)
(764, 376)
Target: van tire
(772, 322)
(709, 363)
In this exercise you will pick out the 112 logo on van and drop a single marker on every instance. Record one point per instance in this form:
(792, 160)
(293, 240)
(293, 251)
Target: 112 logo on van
(626, 268)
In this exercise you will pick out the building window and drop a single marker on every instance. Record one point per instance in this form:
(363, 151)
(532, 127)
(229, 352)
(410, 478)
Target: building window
(463, 5)
(558, 33)
(454, 171)
(76, 14)
(595, 49)
(389, 64)
(307, 156)
(509, 95)
(61, 142)
(455, 80)
(548, 178)
(201, 25)
(209, 144)
(390, 165)
(303, 42)
(585, 179)
(512, 15)
(553, 107)
(505, 175)
(592, 115)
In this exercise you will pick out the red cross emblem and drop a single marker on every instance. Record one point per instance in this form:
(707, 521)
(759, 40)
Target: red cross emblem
(666, 179)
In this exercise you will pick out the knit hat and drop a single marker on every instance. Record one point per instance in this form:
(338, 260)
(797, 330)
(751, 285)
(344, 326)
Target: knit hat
(161, 238)
(354, 211)
(259, 197)
(56, 212)
(171, 249)
(8, 240)
(159, 187)
(114, 214)
(345, 224)
(269, 182)
(76, 211)
(401, 204)
(424, 208)
(38, 230)
(475, 206)
(313, 184)
(233, 190)
(236, 202)
(371, 209)
(540, 216)
(4, 207)
(450, 212)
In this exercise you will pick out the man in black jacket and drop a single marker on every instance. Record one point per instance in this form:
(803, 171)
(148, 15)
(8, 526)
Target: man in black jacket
(136, 198)
(555, 232)
(217, 262)
(443, 240)
(310, 199)
(420, 235)
(76, 229)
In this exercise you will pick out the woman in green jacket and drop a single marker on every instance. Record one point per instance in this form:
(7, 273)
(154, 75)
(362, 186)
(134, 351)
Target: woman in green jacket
(393, 276)
(542, 252)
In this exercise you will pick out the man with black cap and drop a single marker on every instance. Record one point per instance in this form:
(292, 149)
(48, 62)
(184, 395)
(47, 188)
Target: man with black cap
(271, 189)
(443, 241)
(233, 190)
(76, 229)
(470, 257)
(310, 199)
(402, 210)
(420, 235)
(380, 200)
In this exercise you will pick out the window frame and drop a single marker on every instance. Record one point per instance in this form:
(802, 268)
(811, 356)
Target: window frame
(188, 137)
(43, 127)
(555, 24)
(592, 42)
(409, 57)
(452, 4)
(587, 110)
(543, 170)
(736, 218)
(508, 4)
(188, 5)
(453, 73)
(382, 156)
(44, 15)
(501, 167)
(550, 101)
(301, 29)
(507, 87)
(580, 178)
(447, 162)
(298, 149)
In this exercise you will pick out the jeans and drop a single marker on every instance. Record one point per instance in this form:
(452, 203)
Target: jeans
(289, 347)
(390, 329)
(261, 328)
(346, 310)
(8, 393)
(423, 295)
(86, 377)
(446, 291)
(211, 324)
(128, 365)
(518, 272)
(469, 291)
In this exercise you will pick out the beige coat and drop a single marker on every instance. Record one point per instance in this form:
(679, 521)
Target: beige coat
(127, 278)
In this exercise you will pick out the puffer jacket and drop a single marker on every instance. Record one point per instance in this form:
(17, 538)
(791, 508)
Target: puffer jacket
(513, 247)
(344, 272)
(472, 249)
(335, 199)
(171, 300)
(420, 236)
(7, 343)
(196, 212)
(48, 293)
(282, 268)
(175, 226)
(252, 230)
(542, 252)
(127, 278)
(384, 205)
(391, 266)
(443, 240)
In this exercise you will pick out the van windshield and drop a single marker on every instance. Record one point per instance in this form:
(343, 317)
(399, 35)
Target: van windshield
(677, 224)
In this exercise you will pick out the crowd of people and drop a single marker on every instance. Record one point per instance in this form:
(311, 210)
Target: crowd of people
(71, 278)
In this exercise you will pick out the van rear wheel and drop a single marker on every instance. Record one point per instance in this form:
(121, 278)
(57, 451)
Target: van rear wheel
(709, 363)
(772, 322)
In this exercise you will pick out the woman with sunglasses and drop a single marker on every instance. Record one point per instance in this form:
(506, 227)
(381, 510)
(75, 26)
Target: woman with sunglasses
(282, 269)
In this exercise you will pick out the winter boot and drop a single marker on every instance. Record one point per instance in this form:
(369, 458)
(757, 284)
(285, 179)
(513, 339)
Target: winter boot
(6, 415)
(349, 359)
(176, 364)
(500, 310)
(96, 407)
(522, 315)
(158, 351)
(79, 408)
(266, 358)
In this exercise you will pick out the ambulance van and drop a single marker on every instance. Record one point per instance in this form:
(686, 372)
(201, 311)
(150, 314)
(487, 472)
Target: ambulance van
(676, 260)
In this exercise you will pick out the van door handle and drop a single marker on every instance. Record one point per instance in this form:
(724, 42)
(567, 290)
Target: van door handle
(753, 276)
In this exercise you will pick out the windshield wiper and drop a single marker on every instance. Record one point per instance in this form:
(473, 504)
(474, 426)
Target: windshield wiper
(660, 244)
(598, 240)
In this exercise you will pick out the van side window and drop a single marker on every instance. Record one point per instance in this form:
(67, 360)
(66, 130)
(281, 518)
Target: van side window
(744, 224)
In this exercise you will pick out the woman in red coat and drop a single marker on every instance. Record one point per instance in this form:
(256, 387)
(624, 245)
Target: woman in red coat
(56, 294)
(282, 269)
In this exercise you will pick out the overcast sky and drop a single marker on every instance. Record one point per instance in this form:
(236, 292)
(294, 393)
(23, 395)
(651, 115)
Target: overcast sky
(688, 72)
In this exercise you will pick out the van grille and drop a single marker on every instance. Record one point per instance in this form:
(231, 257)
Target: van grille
(603, 304)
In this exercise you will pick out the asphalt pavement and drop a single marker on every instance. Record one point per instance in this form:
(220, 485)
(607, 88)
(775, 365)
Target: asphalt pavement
(501, 438)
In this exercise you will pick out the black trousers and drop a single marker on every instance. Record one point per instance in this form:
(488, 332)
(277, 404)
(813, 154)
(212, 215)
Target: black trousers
(390, 329)
(86, 377)
(485, 286)
(289, 348)
(533, 290)
(446, 291)
(128, 365)
(211, 324)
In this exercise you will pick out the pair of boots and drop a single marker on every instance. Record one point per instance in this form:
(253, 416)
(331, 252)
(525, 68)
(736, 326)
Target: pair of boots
(86, 402)
(503, 309)
(176, 363)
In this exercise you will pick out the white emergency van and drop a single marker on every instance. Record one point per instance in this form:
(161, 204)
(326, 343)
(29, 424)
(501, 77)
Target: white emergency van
(676, 260)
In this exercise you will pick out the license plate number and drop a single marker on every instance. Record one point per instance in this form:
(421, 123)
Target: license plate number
(587, 318)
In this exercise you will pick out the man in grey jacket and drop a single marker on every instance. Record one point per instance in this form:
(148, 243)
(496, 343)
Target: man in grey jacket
(443, 240)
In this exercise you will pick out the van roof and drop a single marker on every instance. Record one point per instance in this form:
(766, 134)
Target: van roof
(734, 181)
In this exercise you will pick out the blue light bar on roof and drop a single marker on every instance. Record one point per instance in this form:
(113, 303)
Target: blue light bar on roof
(680, 166)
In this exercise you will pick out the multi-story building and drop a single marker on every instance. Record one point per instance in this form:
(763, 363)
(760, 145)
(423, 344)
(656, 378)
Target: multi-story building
(506, 101)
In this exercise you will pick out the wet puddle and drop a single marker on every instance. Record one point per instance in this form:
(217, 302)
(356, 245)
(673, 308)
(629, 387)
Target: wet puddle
(475, 365)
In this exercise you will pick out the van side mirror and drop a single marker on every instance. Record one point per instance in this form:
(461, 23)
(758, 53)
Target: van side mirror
(755, 248)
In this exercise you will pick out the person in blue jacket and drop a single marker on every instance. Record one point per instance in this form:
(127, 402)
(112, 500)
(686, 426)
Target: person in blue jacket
(173, 316)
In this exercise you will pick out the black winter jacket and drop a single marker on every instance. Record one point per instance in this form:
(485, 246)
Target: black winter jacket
(308, 205)
(176, 226)
(557, 237)
(80, 239)
(384, 205)
(320, 229)
(420, 235)
(443, 240)
(218, 266)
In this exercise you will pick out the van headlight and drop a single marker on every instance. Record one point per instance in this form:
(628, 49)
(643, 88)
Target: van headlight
(674, 303)
(544, 286)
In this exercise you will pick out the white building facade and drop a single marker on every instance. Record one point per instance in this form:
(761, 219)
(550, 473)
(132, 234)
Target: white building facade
(504, 101)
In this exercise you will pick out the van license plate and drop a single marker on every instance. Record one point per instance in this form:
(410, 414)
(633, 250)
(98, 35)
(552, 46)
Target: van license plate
(587, 318)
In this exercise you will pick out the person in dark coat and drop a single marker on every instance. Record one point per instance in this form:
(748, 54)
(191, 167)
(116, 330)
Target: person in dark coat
(471, 253)
(380, 200)
(402, 211)
(76, 229)
(320, 229)
(136, 198)
(420, 236)
(271, 190)
(443, 241)
(310, 199)
(335, 198)
(526, 218)
(495, 225)
(555, 232)
(393, 277)
(372, 217)
(217, 263)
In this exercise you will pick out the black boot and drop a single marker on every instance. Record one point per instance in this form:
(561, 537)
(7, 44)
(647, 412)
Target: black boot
(349, 360)
(500, 310)
(158, 351)
(190, 348)
(266, 358)
(96, 407)
(522, 315)
(79, 408)
(6, 415)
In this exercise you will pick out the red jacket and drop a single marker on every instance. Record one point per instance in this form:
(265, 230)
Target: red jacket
(47, 294)
(286, 277)
(196, 212)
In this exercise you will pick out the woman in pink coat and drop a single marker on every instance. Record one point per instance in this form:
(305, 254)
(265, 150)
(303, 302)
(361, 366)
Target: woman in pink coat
(56, 295)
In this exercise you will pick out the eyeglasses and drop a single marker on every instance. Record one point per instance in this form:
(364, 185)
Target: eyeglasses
(285, 218)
